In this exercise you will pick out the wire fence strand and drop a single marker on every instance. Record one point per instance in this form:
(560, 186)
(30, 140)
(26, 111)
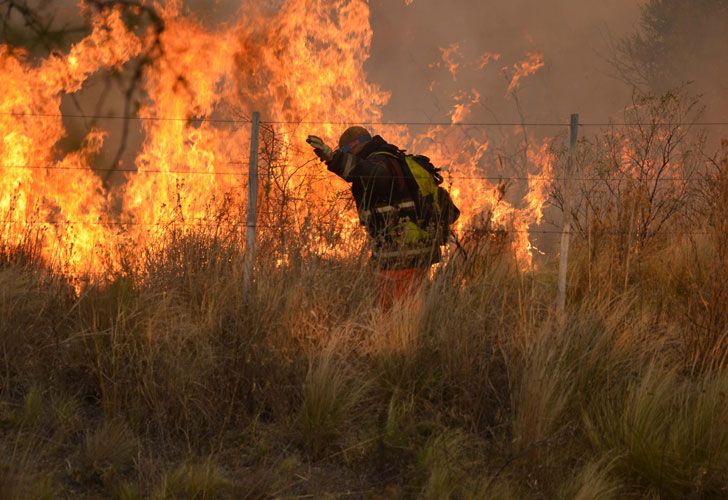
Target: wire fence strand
(500, 124)
(129, 118)
(231, 225)
(371, 122)
(322, 177)
(131, 170)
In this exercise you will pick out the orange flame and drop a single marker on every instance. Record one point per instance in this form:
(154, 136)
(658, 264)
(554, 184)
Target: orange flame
(303, 62)
(449, 56)
(38, 190)
(487, 58)
(464, 105)
(531, 65)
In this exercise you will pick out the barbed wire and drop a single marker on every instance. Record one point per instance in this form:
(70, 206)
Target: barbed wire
(231, 225)
(372, 122)
(540, 179)
(331, 176)
(140, 118)
(499, 124)
(132, 170)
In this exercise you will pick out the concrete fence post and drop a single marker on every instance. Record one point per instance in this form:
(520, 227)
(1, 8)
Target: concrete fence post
(566, 232)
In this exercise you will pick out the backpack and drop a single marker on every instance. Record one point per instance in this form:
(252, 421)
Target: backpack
(436, 209)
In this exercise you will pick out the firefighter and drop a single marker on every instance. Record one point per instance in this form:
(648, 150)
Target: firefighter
(389, 204)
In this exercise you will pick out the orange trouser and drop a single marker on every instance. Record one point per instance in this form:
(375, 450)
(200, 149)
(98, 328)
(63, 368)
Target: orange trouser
(398, 284)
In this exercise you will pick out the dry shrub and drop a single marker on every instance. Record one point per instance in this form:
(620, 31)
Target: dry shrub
(706, 277)
(186, 356)
(33, 308)
(688, 281)
(689, 274)
(635, 189)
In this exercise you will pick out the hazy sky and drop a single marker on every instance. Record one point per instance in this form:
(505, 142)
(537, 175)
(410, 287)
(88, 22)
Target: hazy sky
(573, 36)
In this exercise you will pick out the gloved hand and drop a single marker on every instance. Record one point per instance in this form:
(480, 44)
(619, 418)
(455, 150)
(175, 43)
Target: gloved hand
(320, 148)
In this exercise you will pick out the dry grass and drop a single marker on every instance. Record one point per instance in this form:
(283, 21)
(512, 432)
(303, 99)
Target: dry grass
(170, 382)
(473, 390)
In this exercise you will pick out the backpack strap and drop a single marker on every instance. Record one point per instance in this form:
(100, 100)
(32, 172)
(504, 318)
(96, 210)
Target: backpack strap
(406, 179)
(400, 175)
(426, 163)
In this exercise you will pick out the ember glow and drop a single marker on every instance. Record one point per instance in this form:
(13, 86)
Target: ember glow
(302, 64)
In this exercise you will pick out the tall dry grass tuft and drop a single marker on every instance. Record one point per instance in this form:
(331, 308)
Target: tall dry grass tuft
(543, 390)
(33, 315)
(668, 432)
(593, 482)
(444, 349)
(558, 369)
(444, 462)
(17, 484)
(331, 394)
(108, 452)
(194, 480)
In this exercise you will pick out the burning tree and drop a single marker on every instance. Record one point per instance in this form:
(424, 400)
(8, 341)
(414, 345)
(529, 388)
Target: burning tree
(678, 41)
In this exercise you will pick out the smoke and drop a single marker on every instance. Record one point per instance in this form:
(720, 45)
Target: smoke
(572, 35)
